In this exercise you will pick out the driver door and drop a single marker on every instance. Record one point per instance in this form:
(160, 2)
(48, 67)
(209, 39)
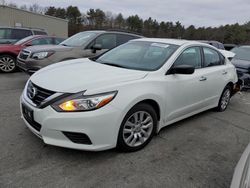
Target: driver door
(185, 93)
(106, 41)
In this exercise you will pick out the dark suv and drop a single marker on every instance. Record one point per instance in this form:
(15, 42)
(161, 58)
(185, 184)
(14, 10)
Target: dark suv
(10, 35)
(81, 45)
(216, 44)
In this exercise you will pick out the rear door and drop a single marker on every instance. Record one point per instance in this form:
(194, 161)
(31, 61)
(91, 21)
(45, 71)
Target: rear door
(216, 75)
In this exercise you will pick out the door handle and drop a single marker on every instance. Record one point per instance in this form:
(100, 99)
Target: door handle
(203, 78)
(224, 72)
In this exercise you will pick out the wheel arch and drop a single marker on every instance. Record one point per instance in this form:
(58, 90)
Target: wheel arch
(153, 104)
(8, 53)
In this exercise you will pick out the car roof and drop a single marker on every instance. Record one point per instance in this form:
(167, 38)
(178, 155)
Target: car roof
(116, 32)
(178, 42)
(23, 28)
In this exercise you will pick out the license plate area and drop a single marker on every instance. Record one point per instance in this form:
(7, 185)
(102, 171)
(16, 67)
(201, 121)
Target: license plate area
(28, 113)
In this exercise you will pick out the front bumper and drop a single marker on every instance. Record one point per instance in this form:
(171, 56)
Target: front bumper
(30, 66)
(101, 126)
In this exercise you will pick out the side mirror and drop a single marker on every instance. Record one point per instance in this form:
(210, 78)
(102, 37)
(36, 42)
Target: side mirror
(181, 69)
(96, 47)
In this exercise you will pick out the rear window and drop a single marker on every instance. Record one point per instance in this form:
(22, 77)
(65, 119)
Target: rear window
(39, 32)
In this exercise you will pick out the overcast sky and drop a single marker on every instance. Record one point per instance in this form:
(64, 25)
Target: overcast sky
(195, 12)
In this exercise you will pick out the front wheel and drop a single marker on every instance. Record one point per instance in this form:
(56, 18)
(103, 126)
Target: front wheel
(137, 128)
(7, 63)
(224, 99)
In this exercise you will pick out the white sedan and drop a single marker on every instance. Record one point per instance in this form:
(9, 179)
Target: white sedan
(122, 98)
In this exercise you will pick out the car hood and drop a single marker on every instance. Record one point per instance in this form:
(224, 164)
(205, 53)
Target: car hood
(56, 48)
(243, 64)
(82, 74)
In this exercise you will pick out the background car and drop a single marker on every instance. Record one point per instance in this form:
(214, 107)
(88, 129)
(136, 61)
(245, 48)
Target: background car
(241, 177)
(10, 35)
(123, 97)
(9, 52)
(241, 61)
(229, 46)
(216, 44)
(84, 44)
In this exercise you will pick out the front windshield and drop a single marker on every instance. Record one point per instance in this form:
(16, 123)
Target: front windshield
(139, 55)
(242, 53)
(79, 39)
(23, 40)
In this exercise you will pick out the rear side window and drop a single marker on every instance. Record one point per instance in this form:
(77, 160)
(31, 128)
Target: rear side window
(211, 57)
(107, 41)
(39, 32)
(190, 56)
(121, 39)
(20, 33)
(5, 33)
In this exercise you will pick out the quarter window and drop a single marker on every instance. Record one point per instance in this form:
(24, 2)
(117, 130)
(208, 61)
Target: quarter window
(211, 58)
(191, 56)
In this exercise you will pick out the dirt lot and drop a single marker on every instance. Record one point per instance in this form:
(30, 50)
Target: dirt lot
(200, 151)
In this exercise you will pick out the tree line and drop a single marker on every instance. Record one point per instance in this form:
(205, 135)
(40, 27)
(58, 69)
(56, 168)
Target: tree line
(98, 19)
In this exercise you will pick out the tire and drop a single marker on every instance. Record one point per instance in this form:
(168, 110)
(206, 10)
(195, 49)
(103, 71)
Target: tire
(224, 99)
(134, 136)
(7, 63)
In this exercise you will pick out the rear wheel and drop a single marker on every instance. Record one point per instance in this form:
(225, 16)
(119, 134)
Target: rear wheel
(137, 128)
(7, 63)
(224, 99)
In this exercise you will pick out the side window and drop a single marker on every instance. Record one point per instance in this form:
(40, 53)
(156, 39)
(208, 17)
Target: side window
(58, 40)
(121, 39)
(190, 56)
(20, 33)
(107, 41)
(211, 57)
(41, 41)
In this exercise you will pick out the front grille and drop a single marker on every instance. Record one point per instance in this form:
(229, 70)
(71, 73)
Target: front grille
(24, 54)
(37, 94)
(79, 138)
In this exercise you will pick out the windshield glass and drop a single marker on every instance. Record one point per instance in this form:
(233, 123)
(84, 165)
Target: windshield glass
(24, 40)
(79, 39)
(139, 55)
(242, 53)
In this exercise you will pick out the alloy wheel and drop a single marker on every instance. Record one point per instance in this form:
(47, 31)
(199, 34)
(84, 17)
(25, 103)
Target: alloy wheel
(225, 99)
(7, 64)
(138, 128)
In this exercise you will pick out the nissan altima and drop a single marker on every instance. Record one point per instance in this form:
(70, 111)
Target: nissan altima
(125, 96)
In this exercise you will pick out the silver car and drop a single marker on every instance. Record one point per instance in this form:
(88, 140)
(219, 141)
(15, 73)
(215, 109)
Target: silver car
(241, 178)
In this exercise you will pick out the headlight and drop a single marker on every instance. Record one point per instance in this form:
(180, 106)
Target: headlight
(41, 55)
(80, 102)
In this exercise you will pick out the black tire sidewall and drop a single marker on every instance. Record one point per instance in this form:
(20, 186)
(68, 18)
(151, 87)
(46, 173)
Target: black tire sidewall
(121, 145)
(14, 59)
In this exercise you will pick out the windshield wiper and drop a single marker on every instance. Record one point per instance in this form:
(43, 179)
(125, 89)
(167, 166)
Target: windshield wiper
(64, 44)
(115, 65)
